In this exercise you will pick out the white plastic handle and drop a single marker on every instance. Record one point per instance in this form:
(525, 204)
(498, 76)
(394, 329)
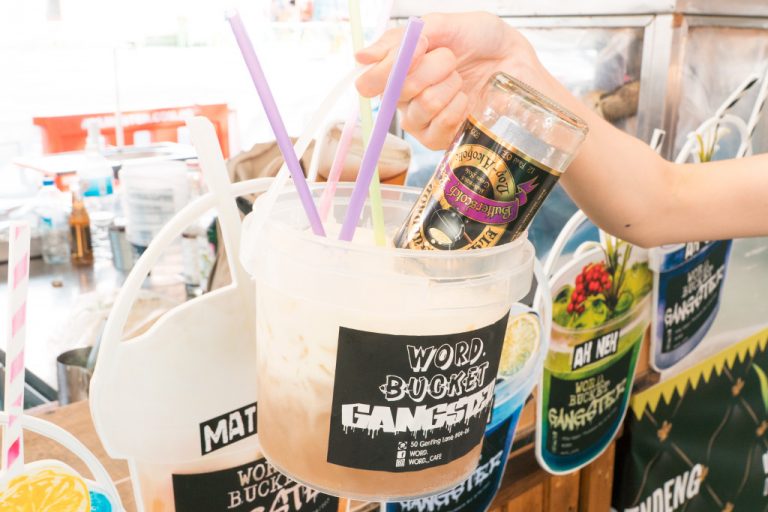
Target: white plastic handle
(543, 302)
(562, 239)
(119, 314)
(708, 126)
(216, 176)
(70, 442)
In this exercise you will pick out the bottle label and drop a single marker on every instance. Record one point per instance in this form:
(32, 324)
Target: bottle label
(485, 192)
(81, 241)
(406, 403)
(256, 486)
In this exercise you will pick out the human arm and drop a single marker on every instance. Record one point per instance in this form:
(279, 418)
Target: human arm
(619, 182)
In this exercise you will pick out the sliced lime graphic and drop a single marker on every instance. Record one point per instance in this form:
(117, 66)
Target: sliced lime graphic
(520, 343)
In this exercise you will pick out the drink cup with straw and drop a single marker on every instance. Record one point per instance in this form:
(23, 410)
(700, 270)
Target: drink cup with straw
(275, 120)
(383, 120)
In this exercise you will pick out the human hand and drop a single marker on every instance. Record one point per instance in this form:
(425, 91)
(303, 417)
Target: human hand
(457, 55)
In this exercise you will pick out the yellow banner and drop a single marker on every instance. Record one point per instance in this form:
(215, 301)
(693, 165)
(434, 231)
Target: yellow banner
(693, 376)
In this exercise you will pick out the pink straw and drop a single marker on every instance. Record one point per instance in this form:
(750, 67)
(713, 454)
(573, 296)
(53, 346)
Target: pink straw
(18, 279)
(273, 115)
(383, 120)
(345, 141)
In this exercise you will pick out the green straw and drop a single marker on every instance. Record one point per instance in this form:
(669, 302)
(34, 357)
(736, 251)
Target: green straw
(366, 123)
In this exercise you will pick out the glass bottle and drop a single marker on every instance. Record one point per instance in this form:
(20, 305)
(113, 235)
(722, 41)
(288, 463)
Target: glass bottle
(501, 166)
(80, 231)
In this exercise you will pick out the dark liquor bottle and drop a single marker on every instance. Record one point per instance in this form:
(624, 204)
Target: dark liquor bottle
(501, 166)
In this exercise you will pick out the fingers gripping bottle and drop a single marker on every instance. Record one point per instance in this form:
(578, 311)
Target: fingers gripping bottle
(501, 166)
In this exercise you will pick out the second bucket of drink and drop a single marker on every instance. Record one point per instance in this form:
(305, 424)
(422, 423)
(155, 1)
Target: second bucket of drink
(376, 365)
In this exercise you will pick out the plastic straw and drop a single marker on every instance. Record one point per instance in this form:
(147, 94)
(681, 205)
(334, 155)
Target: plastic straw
(366, 122)
(345, 141)
(269, 198)
(18, 279)
(278, 127)
(383, 120)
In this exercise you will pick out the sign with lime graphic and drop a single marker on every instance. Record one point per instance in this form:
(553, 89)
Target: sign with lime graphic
(520, 362)
(699, 441)
(601, 310)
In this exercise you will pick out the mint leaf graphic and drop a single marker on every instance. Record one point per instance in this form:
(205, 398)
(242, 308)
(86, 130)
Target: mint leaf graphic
(763, 385)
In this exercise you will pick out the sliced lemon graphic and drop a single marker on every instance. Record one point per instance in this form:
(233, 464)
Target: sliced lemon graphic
(520, 343)
(47, 489)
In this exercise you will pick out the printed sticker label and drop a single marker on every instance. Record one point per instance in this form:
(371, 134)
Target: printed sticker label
(484, 193)
(687, 290)
(253, 487)
(407, 403)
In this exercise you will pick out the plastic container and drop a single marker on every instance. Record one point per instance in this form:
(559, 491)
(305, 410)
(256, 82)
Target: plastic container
(154, 399)
(179, 379)
(343, 328)
(179, 401)
(54, 223)
(152, 194)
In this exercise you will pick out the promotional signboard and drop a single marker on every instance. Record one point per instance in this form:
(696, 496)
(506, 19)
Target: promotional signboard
(687, 286)
(699, 441)
(601, 312)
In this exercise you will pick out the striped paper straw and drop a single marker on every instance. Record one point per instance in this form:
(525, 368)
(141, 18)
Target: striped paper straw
(18, 278)
(737, 94)
(754, 117)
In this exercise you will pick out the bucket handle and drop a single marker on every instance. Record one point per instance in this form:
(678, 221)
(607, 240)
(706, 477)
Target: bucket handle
(570, 228)
(543, 303)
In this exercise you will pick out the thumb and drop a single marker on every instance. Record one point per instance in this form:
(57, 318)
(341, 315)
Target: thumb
(381, 48)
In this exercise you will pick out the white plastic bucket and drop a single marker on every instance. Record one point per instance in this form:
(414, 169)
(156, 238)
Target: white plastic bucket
(177, 402)
(337, 321)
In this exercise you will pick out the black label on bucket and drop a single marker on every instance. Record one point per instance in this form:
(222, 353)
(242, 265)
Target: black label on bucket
(253, 487)
(407, 403)
(228, 428)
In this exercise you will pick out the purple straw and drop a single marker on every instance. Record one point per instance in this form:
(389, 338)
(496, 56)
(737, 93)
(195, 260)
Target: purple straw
(273, 115)
(380, 128)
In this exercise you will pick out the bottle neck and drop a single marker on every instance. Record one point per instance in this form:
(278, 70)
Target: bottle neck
(78, 209)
